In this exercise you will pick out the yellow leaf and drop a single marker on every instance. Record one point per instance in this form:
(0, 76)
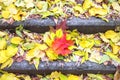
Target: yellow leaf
(42, 5)
(39, 5)
(59, 33)
(87, 4)
(71, 77)
(86, 43)
(11, 51)
(41, 46)
(96, 76)
(102, 17)
(104, 6)
(12, 9)
(51, 55)
(3, 57)
(72, 47)
(55, 75)
(115, 48)
(7, 63)
(24, 77)
(27, 77)
(116, 38)
(36, 62)
(98, 42)
(17, 17)
(116, 6)
(16, 40)
(102, 36)
(52, 36)
(9, 76)
(68, 36)
(3, 44)
(2, 33)
(98, 1)
(27, 1)
(0, 7)
(110, 34)
(32, 53)
(97, 11)
(56, 79)
(79, 53)
(30, 5)
(46, 39)
(79, 9)
(5, 14)
(94, 57)
(20, 3)
(7, 2)
(112, 56)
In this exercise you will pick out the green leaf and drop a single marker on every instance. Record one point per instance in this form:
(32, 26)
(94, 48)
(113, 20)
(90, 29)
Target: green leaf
(19, 33)
(36, 62)
(63, 77)
(19, 30)
(45, 14)
(28, 46)
(60, 57)
(114, 57)
(96, 76)
(104, 58)
(79, 53)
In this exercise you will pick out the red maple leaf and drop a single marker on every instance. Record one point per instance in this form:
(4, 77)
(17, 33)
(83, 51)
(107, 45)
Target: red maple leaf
(60, 45)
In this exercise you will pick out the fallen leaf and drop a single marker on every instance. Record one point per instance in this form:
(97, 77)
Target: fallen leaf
(51, 54)
(3, 44)
(71, 77)
(11, 51)
(98, 1)
(9, 76)
(104, 58)
(87, 4)
(5, 14)
(55, 75)
(36, 62)
(61, 46)
(116, 6)
(3, 57)
(8, 63)
(117, 74)
(96, 76)
(110, 34)
(16, 40)
(112, 56)
(97, 11)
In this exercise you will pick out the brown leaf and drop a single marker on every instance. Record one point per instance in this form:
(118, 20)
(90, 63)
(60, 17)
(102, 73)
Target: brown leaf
(62, 25)
(117, 74)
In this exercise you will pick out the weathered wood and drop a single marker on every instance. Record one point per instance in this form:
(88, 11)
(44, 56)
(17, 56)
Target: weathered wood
(64, 67)
(91, 25)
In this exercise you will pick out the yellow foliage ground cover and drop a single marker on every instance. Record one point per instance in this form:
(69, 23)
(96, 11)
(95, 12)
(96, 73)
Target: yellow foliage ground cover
(22, 9)
(56, 76)
(59, 45)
